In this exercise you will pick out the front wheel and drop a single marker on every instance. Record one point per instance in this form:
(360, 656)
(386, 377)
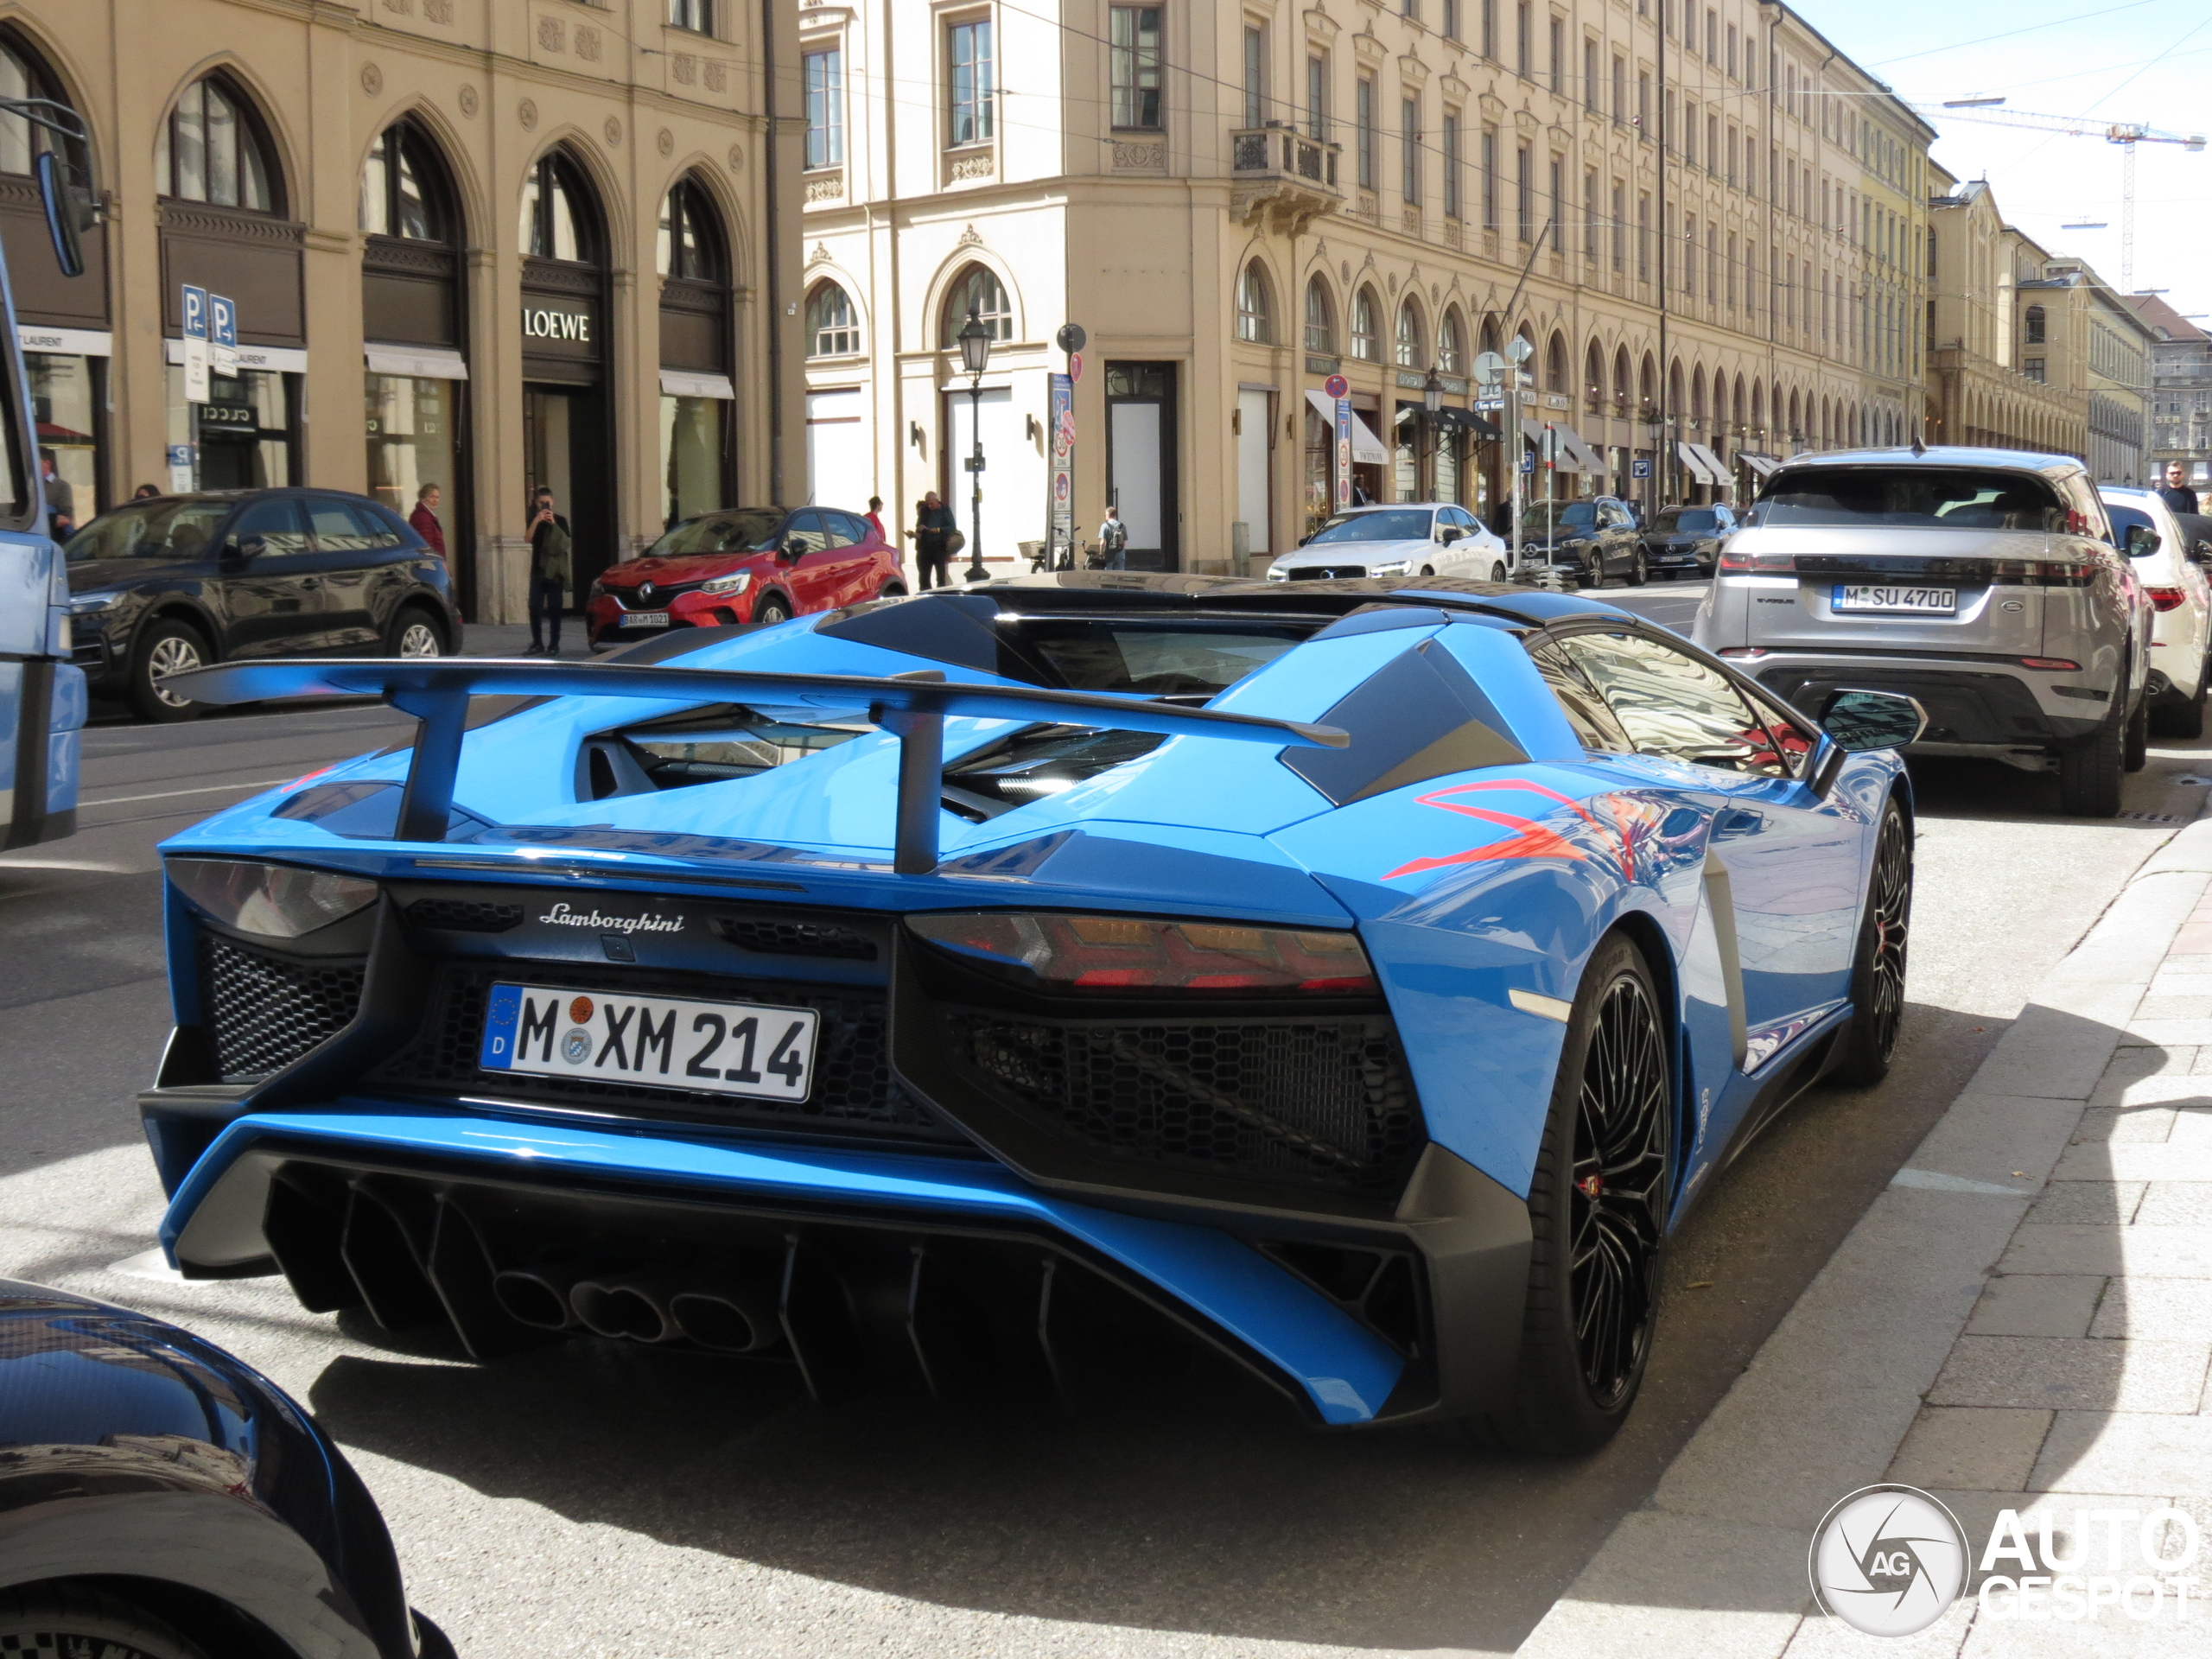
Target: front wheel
(166, 647)
(414, 633)
(891, 590)
(1497, 572)
(74, 1619)
(1877, 968)
(771, 610)
(1597, 1209)
(1638, 572)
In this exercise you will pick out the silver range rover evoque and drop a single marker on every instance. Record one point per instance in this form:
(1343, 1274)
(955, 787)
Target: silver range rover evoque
(1985, 583)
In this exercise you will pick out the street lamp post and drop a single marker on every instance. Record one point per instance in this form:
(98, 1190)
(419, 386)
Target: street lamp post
(1431, 399)
(975, 353)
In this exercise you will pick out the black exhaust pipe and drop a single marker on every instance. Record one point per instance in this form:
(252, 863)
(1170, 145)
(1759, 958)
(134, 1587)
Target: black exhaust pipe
(636, 1308)
(727, 1320)
(536, 1296)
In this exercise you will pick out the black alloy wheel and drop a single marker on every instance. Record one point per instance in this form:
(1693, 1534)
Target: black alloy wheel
(1597, 1210)
(67, 1619)
(1877, 968)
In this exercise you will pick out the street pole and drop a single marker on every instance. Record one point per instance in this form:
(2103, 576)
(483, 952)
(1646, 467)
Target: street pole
(975, 352)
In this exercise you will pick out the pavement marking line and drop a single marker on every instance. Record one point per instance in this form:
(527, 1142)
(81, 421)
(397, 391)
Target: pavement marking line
(152, 1264)
(1929, 1180)
(66, 864)
(212, 789)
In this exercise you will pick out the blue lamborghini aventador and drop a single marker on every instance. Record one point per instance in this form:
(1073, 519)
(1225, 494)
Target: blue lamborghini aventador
(1356, 979)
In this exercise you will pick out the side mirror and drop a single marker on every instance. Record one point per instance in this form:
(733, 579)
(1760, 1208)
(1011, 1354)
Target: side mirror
(235, 553)
(1860, 721)
(1304, 540)
(66, 197)
(2200, 553)
(1448, 535)
(2142, 541)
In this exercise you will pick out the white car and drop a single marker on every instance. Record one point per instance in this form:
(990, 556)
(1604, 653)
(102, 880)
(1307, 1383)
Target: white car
(2181, 598)
(1411, 538)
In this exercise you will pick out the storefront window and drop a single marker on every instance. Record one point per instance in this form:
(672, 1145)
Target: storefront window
(1320, 472)
(1447, 441)
(1405, 435)
(414, 436)
(240, 439)
(691, 447)
(66, 402)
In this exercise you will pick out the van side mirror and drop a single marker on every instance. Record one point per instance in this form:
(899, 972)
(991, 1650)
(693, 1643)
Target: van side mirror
(66, 197)
(2142, 541)
(1860, 721)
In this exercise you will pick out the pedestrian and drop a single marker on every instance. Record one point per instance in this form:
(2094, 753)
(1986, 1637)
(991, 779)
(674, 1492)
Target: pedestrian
(1113, 540)
(933, 528)
(60, 499)
(144, 492)
(875, 516)
(549, 545)
(2176, 492)
(424, 519)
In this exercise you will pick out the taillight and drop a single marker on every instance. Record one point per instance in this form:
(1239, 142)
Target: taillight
(2057, 665)
(1766, 564)
(2041, 573)
(1126, 954)
(1742, 652)
(2166, 599)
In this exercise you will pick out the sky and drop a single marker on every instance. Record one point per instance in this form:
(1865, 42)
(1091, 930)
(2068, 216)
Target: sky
(2145, 61)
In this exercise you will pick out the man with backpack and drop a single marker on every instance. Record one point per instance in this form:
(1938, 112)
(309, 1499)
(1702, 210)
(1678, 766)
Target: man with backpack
(1114, 541)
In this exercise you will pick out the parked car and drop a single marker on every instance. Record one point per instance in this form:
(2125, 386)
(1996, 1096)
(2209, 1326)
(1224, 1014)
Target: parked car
(1585, 543)
(1988, 583)
(1685, 541)
(161, 1500)
(1411, 538)
(1327, 981)
(177, 581)
(2172, 575)
(743, 564)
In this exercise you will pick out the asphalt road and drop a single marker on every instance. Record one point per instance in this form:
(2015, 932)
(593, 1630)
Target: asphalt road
(580, 1498)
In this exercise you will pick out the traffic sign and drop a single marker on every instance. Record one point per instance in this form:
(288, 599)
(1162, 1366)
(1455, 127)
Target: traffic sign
(1639, 469)
(193, 313)
(1071, 337)
(1336, 386)
(222, 335)
(1075, 365)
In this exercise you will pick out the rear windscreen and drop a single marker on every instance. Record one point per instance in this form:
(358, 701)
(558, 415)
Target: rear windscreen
(1159, 660)
(1925, 498)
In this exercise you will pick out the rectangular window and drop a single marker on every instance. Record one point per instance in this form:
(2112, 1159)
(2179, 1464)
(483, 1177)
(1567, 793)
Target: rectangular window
(1728, 280)
(1524, 43)
(1643, 101)
(1135, 64)
(1689, 133)
(1317, 99)
(1712, 37)
(1711, 264)
(1712, 143)
(1525, 192)
(1452, 20)
(1363, 122)
(825, 108)
(974, 94)
(1643, 236)
(1490, 178)
(1256, 73)
(1620, 89)
(1731, 51)
(1410, 9)
(698, 16)
(1590, 216)
(1454, 206)
(1558, 54)
(1732, 144)
(1689, 255)
(1409, 144)
(1589, 76)
(1620, 227)
(1558, 204)
(1489, 29)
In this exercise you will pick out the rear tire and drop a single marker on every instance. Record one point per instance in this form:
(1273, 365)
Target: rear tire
(2136, 744)
(1597, 1209)
(1878, 969)
(772, 609)
(2089, 772)
(1638, 572)
(68, 1619)
(891, 590)
(166, 646)
(414, 632)
(1497, 573)
(2184, 720)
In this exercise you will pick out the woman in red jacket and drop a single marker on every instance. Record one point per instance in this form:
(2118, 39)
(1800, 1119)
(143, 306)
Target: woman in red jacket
(424, 519)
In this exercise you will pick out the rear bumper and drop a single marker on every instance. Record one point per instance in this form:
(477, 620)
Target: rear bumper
(950, 1271)
(1984, 706)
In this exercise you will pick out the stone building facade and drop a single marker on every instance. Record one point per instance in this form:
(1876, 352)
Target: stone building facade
(2181, 391)
(483, 245)
(1709, 227)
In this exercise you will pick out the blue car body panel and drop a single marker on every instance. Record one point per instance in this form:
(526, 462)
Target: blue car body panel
(1479, 895)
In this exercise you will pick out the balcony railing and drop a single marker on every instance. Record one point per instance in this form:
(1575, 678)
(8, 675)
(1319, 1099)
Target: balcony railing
(1284, 176)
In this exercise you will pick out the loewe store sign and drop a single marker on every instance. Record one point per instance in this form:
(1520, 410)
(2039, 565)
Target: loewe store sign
(557, 322)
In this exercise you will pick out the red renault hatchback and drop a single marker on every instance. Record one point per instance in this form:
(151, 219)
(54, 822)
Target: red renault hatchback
(744, 564)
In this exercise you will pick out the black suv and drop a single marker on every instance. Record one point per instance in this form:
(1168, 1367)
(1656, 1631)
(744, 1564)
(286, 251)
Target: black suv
(1687, 539)
(176, 581)
(1587, 542)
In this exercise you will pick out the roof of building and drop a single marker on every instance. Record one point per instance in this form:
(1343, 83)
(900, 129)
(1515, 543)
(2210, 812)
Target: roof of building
(2166, 322)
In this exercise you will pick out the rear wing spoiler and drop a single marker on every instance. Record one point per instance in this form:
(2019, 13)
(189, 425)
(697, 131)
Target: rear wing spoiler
(912, 706)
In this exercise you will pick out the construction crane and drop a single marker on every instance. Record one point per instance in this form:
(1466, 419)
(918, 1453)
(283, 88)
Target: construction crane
(2126, 134)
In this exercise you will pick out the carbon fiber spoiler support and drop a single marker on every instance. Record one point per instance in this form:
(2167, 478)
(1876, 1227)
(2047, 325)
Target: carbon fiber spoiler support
(912, 706)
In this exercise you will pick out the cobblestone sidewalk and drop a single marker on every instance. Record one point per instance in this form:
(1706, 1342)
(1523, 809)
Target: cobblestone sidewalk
(2023, 1321)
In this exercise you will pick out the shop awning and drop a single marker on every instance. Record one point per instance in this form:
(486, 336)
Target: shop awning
(1467, 420)
(1695, 463)
(1721, 469)
(421, 362)
(1591, 460)
(1367, 449)
(686, 382)
(1569, 449)
(1763, 465)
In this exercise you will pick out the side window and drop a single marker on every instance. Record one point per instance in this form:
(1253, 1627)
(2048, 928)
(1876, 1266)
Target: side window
(1460, 518)
(856, 528)
(335, 527)
(275, 522)
(1674, 707)
(836, 529)
(803, 533)
(1593, 722)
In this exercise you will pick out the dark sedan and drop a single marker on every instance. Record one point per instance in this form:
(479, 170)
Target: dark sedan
(178, 582)
(160, 1500)
(1686, 541)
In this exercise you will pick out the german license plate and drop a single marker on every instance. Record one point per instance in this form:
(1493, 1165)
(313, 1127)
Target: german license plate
(725, 1048)
(644, 619)
(1858, 596)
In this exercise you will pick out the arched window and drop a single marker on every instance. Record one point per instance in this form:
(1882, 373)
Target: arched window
(1255, 306)
(1621, 383)
(1320, 320)
(557, 219)
(1488, 335)
(23, 76)
(1594, 377)
(1409, 335)
(1647, 385)
(212, 150)
(2036, 326)
(1555, 365)
(977, 289)
(1451, 343)
(1366, 336)
(1697, 397)
(403, 188)
(690, 242)
(833, 327)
